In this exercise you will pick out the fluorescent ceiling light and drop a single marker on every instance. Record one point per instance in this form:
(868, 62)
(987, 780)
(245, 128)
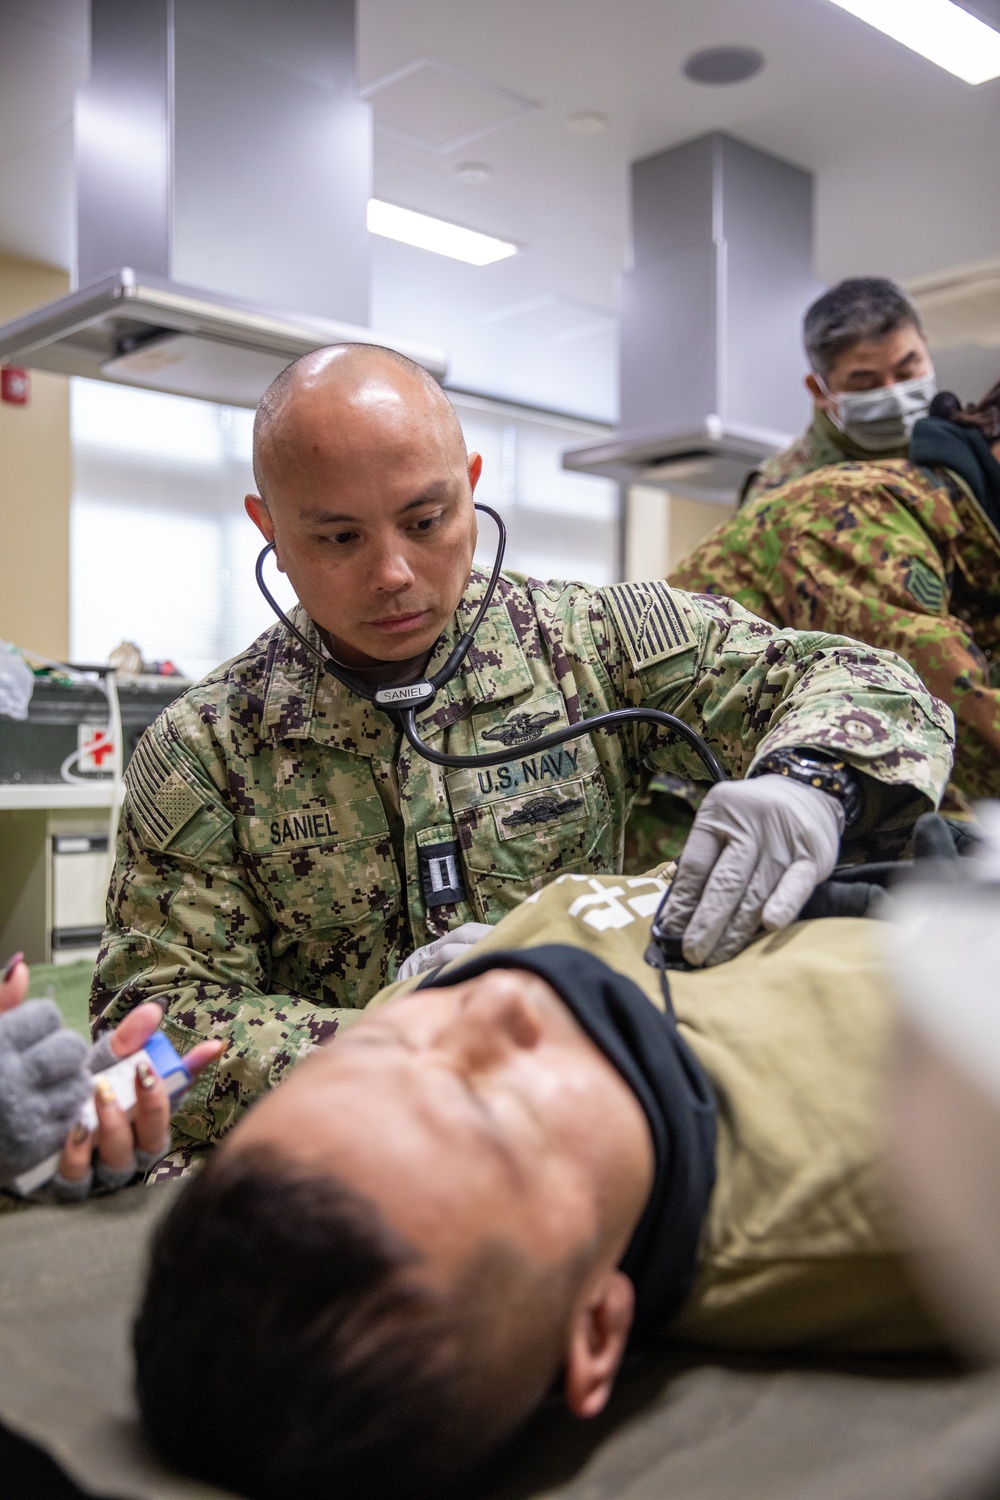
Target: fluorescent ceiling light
(436, 234)
(942, 32)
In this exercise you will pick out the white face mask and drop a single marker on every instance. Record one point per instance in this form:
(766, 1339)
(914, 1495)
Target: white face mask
(883, 418)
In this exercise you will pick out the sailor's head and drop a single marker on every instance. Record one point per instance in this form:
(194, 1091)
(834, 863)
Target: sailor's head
(365, 488)
(396, 1254)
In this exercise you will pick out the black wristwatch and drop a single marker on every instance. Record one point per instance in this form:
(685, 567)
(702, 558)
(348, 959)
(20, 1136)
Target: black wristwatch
(810, 768)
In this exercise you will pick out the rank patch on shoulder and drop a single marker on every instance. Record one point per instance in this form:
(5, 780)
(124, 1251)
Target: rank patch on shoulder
(924, 585)
(649, 621)
(441, 873)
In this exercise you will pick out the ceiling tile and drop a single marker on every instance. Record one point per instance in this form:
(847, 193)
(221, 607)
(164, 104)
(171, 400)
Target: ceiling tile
(441, 108)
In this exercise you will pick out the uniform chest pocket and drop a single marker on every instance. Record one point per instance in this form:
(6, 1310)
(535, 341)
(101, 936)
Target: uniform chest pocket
(316, 887)
(321, 866)
(523, 822)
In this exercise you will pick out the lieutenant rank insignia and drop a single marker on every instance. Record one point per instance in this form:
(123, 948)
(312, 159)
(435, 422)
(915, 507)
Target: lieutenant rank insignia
(441, 874)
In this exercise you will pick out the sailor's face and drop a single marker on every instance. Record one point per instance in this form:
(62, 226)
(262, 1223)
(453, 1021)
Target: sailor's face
(369, 503)
(471, 1113)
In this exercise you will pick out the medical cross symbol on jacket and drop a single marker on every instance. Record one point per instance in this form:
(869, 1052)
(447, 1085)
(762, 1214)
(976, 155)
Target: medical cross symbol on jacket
(601, 906)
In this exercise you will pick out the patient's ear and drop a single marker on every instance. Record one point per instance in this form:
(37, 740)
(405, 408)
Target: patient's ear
(597, 1337)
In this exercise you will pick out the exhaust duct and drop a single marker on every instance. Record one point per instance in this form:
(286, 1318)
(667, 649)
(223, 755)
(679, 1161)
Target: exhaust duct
(711, 341)
(223, 169)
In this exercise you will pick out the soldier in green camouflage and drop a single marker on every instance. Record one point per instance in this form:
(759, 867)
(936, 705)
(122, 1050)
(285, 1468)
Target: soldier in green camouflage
(282, 850)
(904, 554)
(871, 378)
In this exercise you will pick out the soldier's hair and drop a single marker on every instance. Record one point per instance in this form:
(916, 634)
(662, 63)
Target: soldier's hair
(288, 1343)
(983, 414)
(853, 312)
(282, 386)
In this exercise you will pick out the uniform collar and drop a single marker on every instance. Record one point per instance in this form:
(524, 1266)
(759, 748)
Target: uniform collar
(304, 702)
(834, 447)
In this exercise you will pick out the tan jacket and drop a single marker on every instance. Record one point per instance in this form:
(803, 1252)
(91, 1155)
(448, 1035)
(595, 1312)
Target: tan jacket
(800, 1248)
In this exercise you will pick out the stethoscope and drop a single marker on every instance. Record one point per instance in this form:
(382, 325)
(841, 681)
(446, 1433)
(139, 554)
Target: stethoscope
(402, 703)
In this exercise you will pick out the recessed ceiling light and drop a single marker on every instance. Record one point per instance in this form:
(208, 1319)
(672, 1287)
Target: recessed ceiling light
(411, 228)
(723, 65)
(473, 171)
(942, 32)
(587, 122)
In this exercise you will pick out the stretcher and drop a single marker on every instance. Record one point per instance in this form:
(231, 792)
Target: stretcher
(680, 1427)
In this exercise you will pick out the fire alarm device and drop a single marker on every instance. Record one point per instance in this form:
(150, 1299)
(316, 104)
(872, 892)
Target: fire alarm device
(14, 385)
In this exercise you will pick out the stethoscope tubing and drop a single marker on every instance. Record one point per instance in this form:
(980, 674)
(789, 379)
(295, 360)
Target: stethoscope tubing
(407, 716)
(609, 721)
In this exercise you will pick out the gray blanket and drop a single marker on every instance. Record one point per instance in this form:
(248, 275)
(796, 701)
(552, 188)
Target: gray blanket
(677, 1429)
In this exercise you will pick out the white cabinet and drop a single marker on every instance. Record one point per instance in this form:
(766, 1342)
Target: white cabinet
(79, 885)
(54, 871)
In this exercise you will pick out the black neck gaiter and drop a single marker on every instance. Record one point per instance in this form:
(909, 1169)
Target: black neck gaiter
(644, 1045)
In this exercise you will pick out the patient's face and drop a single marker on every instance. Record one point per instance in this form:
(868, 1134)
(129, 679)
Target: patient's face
(472, 1113)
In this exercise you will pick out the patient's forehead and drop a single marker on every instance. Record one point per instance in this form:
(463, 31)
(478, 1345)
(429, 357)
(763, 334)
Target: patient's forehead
(392, 1085)
(495, 983)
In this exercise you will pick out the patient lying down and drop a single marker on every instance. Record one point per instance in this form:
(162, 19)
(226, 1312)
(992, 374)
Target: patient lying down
(498, 1183)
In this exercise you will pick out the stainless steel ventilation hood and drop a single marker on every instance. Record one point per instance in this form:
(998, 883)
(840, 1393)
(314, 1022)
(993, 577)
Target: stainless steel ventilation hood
(711, 345)
(222, 152)
(137, 330)
(707, 463)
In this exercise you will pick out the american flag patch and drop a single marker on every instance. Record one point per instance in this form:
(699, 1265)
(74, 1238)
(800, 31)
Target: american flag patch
(648, 621)
(161, 798)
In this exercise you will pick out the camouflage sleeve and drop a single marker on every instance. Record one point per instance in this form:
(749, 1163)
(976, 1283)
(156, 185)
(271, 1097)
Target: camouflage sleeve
(750, 688)
(184, 929)
(726, 563)
(800, 457)
(882, 580)
(756, 483)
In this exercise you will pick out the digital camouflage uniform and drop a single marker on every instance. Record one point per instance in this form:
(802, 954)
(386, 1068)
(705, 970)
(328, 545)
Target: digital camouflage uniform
(895, 554)
(280, 851)
(819, 446)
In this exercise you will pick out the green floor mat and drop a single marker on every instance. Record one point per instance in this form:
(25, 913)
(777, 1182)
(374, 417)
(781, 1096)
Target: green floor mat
(69, 986)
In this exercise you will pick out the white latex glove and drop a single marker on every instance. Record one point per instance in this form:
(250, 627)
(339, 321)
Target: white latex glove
(754, 854)
(443, 949)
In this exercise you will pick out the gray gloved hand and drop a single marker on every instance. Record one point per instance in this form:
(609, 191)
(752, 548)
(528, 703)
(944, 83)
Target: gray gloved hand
(101, 1054)
(753, 856)
(43, 1083)
(451, 945)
